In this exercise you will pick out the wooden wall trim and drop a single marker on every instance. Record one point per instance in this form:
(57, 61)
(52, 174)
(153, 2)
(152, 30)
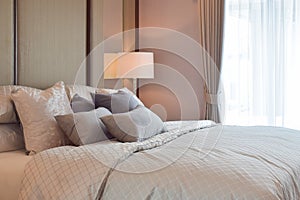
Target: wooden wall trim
(15, 21)
(137, 25)
(88, 41)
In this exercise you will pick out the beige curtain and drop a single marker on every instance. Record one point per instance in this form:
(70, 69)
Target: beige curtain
(211, 22)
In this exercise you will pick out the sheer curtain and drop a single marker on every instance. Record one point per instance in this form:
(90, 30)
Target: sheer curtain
(261, 62)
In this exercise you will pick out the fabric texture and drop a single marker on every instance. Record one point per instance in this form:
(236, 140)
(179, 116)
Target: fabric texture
(11, 137)
(84, 127)
(119, 102)
(82, 90)
(188, 162)
(112, 91)
(36, 110)
(7, 111)
(136, 125)
(211, 24)
(80, 104)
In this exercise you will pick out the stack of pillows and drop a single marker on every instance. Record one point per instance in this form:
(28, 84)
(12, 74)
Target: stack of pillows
(75, 115)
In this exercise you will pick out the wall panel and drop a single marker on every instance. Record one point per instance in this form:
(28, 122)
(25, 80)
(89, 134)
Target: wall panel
(6, 42)
(51, 41)
(96, 50)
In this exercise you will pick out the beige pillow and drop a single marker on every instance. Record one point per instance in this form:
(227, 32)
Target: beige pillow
(7, 111)
(36, 110)
(11, 137)
(136, 125)
(84, 127)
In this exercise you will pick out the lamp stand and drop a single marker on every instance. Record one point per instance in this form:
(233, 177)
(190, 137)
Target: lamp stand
(131, 84)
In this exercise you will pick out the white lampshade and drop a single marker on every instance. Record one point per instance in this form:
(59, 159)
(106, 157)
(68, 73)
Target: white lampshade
(128, 65)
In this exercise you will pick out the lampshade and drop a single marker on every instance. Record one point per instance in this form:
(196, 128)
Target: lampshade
(128, 65)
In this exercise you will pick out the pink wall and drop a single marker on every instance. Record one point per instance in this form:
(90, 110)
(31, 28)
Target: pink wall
(179, 102)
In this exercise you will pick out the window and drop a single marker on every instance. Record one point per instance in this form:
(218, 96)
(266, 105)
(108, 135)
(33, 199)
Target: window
(261, 62)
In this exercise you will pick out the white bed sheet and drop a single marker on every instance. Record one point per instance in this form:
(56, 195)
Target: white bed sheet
(12, 165)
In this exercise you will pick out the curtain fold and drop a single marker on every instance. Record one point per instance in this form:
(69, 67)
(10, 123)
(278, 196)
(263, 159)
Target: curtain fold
(211, 23)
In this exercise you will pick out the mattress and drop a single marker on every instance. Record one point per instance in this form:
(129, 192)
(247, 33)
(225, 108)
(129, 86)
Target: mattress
(12, 165)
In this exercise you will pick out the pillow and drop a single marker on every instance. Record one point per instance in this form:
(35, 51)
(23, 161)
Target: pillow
(7, 111)
(80, 104)
(136, 125)
(11, 137)
(82, 90)
(112, 91)
(36, 110)
(119, 102)
(84, 127)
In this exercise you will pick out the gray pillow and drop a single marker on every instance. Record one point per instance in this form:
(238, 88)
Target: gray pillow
(80, 104)
(119, 102)
(11, 137)
(136, 125)
(84, 127)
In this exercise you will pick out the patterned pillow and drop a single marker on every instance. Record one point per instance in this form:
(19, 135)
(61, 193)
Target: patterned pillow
(136, 125)
(36, 109)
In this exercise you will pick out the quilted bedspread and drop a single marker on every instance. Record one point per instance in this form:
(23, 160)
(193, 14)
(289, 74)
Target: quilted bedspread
(193, 160)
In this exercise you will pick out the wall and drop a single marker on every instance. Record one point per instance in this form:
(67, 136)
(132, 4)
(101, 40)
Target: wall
(6, 42)
(182, 16)
(51, 41)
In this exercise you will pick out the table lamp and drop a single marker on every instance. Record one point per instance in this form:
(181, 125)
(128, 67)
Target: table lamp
(129, 66)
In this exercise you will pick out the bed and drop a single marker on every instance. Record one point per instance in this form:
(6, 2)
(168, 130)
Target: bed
(192, 160)
(12, 165)
(144, 159)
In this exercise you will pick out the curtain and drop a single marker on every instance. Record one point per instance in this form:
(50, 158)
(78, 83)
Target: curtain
(260, 62)
(211, 20)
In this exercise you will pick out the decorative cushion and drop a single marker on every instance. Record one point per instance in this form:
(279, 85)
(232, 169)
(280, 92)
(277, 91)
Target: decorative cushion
(119, 102)
(80, 104)
(11, 137)
(7, 111)
(136, 125)
(84, 127)
(36, 110)
(82, 90)
(112, 91)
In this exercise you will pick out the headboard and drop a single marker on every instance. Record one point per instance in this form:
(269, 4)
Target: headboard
(42, 42)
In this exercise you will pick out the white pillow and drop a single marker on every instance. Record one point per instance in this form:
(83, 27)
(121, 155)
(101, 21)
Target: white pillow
(36, 110)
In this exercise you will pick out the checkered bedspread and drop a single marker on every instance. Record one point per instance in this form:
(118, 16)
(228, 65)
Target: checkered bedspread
(190, 161)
